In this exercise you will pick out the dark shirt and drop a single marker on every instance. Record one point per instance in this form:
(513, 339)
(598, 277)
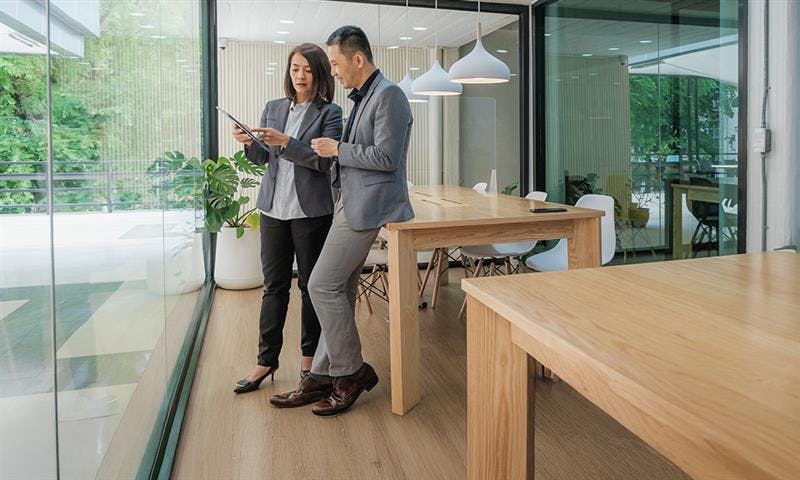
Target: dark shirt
(356, 95)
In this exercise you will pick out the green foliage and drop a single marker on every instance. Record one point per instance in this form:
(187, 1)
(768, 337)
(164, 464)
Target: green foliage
(77, 134)
(509, 189)
(224, 179)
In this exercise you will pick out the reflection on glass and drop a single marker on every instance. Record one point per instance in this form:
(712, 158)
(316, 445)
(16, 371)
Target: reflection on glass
(27, 399)
(489, 118)
(127, 236)
(645, 109)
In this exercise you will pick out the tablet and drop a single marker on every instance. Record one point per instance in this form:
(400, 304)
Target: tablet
(246, 130)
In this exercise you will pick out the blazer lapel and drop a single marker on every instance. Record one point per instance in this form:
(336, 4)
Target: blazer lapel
(312, 114)
(363, 104)
(281, 115)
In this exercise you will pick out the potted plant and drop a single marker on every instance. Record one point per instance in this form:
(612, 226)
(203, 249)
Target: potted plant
(238, 244)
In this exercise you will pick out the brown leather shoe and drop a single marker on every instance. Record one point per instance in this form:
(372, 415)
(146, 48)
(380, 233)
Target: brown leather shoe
(307, 392)
(346, 391)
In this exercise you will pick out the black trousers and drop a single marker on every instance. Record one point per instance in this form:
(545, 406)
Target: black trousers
(281, 241)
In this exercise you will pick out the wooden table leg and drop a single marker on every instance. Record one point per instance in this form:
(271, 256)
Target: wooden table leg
(677, 224)
(403, 322)
(583, 249)
(500, 399)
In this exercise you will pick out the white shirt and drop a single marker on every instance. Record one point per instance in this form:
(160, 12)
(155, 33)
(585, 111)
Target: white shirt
(285, 204)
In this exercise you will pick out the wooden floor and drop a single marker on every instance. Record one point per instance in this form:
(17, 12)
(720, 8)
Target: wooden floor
(242, 437)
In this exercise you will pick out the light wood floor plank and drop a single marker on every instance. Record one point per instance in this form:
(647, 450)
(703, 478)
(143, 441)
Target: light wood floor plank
(242, 437)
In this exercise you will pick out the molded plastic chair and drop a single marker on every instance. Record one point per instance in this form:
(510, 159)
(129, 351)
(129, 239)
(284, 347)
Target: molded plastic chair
(556, 258)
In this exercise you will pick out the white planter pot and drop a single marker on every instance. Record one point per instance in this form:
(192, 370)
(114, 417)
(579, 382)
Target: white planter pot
(238, 262)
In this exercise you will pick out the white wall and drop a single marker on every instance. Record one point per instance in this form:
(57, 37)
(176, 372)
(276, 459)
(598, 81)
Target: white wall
(783, 118)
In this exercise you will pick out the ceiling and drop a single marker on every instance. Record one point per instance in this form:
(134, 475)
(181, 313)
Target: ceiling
(314, 20)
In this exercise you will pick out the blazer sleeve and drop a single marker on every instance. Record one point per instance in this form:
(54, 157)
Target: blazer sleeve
(301, 153)
(392, 121)
(254, 153)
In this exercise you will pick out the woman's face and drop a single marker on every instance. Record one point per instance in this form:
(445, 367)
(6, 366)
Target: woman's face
(302, 79)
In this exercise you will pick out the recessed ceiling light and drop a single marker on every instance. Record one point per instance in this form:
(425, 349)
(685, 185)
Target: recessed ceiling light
(613, 49)
(576, 77)
(84, 63)
(282, 32)
(414, 69)
(148, 27)
(420, 29)
(513, 74)
(645, 41)
(270, 73)
(593, 74)
(287, 22)
(136, 14)
(547, 34)
(558, 79)
(500, 50)
(406, 38)
(158, 37)
(272, 63)
(586, 55)
(393, 47)
(280, 42)
(180, 61)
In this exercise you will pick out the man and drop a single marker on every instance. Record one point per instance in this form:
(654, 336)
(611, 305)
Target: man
(370, 175)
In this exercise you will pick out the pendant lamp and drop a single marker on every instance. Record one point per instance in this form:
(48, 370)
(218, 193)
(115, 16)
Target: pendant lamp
(480, 66)
(436, 81)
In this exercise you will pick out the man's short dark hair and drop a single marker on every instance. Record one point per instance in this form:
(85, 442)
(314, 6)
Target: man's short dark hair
(350, 40)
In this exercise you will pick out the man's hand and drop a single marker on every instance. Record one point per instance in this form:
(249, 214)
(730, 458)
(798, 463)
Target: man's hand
(272, 137)
(240, 136)
(325, 147)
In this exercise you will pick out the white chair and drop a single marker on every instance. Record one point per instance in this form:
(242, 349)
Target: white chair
(480, 187)
(481, 259)
(556, 258)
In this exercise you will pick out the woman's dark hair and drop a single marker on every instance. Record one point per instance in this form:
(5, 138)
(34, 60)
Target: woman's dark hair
(324, 86)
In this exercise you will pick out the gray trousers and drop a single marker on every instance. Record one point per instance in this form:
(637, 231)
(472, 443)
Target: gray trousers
(333, 287)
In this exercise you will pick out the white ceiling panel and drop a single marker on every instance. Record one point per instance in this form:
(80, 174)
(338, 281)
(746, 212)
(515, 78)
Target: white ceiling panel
(313, 20)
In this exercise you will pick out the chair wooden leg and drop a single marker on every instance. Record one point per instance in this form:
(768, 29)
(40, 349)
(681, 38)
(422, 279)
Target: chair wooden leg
(439, 260)
(477, 271)
(431, 265)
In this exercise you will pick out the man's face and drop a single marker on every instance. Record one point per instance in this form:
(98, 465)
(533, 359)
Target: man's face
(342, 68)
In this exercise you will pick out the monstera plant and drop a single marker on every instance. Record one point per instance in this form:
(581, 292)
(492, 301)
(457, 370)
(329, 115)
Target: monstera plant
(226, 204)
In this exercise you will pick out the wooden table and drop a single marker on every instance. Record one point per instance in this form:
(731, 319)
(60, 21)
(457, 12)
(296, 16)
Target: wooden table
(700, 358)
(694, 193)
(456, 216)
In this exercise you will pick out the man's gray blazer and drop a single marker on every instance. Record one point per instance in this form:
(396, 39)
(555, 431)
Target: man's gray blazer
(312, 173)
(373, 163)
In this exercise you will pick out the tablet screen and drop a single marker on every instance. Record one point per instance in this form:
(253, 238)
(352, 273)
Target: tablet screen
(246, 130)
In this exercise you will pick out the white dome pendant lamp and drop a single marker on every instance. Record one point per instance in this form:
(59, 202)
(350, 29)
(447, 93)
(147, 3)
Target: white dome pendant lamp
(480, 66)
(436, 81)
(405, 83)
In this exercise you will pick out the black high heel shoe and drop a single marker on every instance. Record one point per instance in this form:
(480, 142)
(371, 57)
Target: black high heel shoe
(244, 385)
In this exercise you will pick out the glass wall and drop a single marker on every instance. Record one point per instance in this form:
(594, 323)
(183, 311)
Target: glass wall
(641, 104)
(454, 140)
(102, 228)
(489, 127)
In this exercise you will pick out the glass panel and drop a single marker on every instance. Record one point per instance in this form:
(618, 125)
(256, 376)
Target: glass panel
(27, 398)
(126, 113)
(642, 105)
(489, 117)
(257, 37)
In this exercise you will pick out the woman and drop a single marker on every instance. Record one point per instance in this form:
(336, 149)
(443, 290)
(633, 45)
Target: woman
(295, 201)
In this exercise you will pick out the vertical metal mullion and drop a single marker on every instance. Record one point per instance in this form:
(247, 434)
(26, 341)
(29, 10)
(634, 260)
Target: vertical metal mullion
(51, 214)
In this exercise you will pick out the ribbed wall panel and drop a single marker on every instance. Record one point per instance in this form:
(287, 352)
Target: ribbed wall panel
(245, 86)
(588, 122)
